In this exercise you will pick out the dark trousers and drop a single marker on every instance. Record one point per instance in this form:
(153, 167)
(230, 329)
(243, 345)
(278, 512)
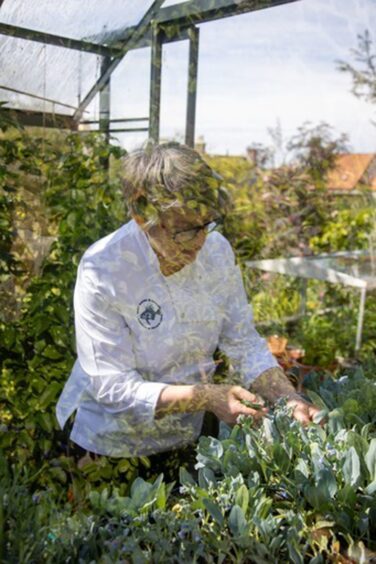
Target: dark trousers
(167, 462)
(170, 461)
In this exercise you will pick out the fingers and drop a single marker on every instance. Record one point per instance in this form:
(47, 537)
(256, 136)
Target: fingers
(255, 413)
(250, 403)
(301, 414)
(230, 402)
(244, 394)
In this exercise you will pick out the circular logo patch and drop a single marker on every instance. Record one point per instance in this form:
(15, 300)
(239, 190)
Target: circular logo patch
(149, 314)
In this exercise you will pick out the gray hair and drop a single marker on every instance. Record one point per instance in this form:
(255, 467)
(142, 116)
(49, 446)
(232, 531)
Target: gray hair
(159, 176)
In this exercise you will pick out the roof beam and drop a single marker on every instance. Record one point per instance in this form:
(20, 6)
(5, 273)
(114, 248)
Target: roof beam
(129, 43)
(175, 19)
(181, 15)
(201, 11)
(40, 119)
(36, 97)
(57, 40)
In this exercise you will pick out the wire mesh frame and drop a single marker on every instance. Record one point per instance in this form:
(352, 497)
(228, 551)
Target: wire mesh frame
(176, 20)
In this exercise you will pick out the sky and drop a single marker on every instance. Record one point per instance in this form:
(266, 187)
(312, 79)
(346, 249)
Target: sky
(271, 67)
(268, 68)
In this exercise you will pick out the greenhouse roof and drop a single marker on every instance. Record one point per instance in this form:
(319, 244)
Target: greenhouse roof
(57, 57)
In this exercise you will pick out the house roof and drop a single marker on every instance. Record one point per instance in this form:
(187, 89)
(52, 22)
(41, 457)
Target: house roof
(350, 170)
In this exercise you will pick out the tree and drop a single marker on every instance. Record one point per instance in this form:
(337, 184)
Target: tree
(316, 149)
(364, 73)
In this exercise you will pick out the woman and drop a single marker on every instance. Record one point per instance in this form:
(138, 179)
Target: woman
(153, 301)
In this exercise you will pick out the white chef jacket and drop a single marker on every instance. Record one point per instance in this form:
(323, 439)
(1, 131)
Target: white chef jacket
(138, 331)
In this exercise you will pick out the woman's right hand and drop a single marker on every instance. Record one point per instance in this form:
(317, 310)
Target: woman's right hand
(225, 402)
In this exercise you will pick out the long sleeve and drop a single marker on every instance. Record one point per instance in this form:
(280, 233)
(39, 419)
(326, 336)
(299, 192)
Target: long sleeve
(104, 350)
(247, 351)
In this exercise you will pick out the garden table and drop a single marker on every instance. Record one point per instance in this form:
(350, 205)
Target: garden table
(349, 268)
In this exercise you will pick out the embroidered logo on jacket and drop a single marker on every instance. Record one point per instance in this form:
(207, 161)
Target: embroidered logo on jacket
(149, 314)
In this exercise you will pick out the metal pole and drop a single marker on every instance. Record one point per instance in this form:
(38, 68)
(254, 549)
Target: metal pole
(359, 330)
(137, 33)
(155, 84)
(193, 33)
(104, 107)
(303, 297)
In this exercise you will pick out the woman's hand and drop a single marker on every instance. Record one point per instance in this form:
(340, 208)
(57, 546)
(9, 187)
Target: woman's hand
(273, 384)
(302, 411)
(225, 402)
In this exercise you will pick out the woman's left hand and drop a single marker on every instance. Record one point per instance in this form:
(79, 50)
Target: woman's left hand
(302, 411)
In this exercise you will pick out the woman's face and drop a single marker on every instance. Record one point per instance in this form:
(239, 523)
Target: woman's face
(178, 237)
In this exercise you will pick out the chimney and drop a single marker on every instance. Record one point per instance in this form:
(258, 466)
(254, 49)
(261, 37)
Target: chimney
(200, 145)
(252, 155)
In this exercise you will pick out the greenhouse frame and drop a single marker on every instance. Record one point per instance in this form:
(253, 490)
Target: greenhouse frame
(88, 54)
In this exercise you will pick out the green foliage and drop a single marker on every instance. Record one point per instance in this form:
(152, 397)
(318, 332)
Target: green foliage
(354, 392)
(316, 149)
(38, 349)
(348, 230)
(268, 491)
(279, 492)
(329, 334)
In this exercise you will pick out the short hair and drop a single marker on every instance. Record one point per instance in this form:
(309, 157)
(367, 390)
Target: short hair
(159, 176)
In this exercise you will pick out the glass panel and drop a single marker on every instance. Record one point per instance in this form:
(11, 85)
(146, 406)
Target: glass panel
(358, 266)
(73, 18)
(174, 90)
(130, 84)
(59, 74)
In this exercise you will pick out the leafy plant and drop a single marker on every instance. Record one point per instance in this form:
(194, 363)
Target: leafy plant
(37, 350)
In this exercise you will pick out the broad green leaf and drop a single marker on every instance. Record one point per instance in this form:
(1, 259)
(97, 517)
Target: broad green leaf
(185, 477)
(161, 497)
(336, 421)
(327, 397)
(357, 441)
(318, 559)
(302, 467)
(327, 482)
(351, 467)
(317, 496)
(140, 491)
(104, 496)
(270, 432)
(347, 495)
(145, 461)
(371, 488)
(370, 459)
(317, 400)
(366, 430)
(281, 457)
(295, 554)
(44, 421)
(318, 417)
(263, 506)
(206, 478)
(209, 446)
(242, 497)
(51, 352)
(237, 521)
(318, 459)
(49, 395)
(323, 524)
(124, 465)
(157, 483)
(59, 474)
(214, 510)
